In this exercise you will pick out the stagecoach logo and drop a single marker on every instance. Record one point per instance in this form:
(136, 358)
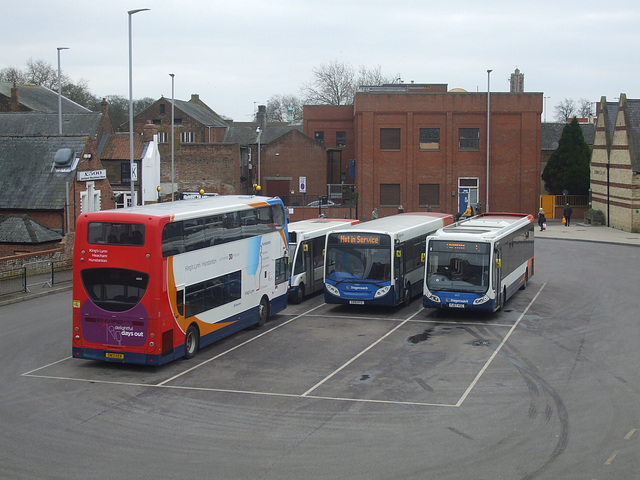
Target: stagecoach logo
(356, 287)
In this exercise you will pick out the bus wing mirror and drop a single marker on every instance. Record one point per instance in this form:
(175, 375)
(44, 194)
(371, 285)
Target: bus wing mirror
(423, 257)
(305, 247)
(398, 253)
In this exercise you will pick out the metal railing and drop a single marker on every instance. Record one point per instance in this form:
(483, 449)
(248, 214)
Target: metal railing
(44, 273)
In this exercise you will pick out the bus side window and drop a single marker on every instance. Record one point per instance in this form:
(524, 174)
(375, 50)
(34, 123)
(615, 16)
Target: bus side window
(180, 302)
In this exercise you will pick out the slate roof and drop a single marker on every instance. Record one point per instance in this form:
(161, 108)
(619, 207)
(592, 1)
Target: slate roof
(40, 99)
(551, 133)
(34, 123)
(29, 180)
(199, 113)
(244, 133)
(25, 230)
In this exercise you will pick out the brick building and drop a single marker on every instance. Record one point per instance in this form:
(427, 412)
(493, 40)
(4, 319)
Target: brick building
(615, 163)
(424, 147)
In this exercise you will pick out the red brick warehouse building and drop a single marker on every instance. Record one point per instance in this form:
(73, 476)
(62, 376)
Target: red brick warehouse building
(424, 147)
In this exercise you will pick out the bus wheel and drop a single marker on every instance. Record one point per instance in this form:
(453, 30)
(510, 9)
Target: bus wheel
(526, 279)
(299, 294)
(263, 311)
(503, 299)
(191, 342)
(407, 295)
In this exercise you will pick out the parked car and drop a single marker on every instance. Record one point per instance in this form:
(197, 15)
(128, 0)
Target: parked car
(325, 203)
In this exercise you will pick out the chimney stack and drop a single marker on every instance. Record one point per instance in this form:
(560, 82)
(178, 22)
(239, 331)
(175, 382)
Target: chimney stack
(261, 117)
(15, 103)
(149, 131)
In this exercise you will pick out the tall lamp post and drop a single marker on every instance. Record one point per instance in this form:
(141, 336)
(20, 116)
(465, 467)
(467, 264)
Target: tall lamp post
(545, 109)
(172, 130)
(60, 92)
(131, 13)
(259, 130)
(486, 207)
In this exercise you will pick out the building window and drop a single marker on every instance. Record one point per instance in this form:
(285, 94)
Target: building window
(177, 121)
(429, 139)
(469, 139)
(341, 139)
(162, 108)
(187, 137)
(156, 121)
(319, 136)
(429, 195)
(389, 139)
(163, 137)
(390, 194)
(125, 173)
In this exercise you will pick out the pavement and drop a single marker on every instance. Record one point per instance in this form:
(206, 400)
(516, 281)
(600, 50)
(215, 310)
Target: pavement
(577, 232)
(582, 232)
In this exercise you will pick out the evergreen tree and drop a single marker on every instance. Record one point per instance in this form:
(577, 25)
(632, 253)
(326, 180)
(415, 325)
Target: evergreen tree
(568, 166)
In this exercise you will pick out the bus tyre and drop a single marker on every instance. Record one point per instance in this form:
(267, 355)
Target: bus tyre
(503, 299)
(299, 294)
(526, 279)
(407, 295)
(191, 342)
(263, 311)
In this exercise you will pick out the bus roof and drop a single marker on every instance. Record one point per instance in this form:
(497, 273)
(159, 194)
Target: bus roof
(319, 225)
(194, 207)
(489, 226)
(399, 224)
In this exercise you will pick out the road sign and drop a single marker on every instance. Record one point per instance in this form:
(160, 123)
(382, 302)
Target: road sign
(303, 185)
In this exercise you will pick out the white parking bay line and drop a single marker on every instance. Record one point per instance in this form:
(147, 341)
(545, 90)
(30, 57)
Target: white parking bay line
(497, 350)
(353, 359)
(236, 347)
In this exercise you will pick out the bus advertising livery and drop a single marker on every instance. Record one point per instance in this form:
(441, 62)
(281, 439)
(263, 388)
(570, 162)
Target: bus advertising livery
(154, 283)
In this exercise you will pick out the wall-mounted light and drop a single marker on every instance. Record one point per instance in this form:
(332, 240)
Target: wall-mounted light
(86, 156)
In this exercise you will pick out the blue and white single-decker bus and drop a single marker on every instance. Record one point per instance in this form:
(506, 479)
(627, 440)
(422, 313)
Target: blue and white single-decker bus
(479, 263)
(379, 262)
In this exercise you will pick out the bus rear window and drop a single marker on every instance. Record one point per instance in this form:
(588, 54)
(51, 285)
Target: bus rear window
(111, 233)
(114, 289)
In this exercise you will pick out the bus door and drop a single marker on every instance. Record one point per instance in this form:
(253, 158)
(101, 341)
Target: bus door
(497, 274)
(307, 249)
(398, 273)
(317, 257)
(463, 199)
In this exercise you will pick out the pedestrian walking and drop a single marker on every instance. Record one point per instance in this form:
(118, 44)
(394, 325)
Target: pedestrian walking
(400, 209)
(567, 214)
(374, 214)
(542, 220)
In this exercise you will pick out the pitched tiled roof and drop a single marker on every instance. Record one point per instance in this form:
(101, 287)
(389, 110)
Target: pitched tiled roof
(32, 123)
(29, 179)
(116, 147)
(244, 133)
(633, 128)
(199, 113)
(41, 99)
(23, 229)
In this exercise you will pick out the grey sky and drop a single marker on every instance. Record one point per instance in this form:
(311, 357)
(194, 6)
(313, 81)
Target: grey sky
(239, 53)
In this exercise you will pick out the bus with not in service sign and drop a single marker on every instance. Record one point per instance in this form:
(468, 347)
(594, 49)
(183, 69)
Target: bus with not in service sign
(306, 247)
(154, 283)
(379, 262)
(477, 264)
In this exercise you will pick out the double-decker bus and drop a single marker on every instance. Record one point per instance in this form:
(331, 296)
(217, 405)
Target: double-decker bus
(479, 263)
(306, 247)
(380, 262)
(156, 282)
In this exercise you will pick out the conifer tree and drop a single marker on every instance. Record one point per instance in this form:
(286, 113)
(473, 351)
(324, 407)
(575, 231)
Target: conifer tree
(568, 165)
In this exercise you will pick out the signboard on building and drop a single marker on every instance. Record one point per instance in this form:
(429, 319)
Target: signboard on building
(90, 175)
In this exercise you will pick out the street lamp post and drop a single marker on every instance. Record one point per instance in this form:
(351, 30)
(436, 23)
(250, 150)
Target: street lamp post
(545, 109)
(60, 92)
(131, 13)
(259, 130)
(172, 131)
(486, 207)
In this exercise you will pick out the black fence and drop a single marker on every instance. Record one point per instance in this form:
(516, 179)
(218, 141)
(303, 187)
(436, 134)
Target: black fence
(32, 275)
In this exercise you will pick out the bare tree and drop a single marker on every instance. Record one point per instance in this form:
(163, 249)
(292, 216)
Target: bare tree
(373, 77)
(39, 72)
(278, 108)
(12, 74)
(565, 110)
(332, 84)
(584, 108)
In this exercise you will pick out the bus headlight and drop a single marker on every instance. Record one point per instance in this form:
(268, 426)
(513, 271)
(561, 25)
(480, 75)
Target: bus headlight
(481, 300)
(332, 290)
(382, 291)
(432, 297)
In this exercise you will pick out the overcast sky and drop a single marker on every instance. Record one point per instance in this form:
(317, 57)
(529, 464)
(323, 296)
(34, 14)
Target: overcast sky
(238, 53)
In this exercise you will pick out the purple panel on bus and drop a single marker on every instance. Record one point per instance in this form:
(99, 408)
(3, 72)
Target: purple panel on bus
(127, 328)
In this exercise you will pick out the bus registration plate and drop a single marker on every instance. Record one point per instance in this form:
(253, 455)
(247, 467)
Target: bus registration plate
(456, 305)
(118, 356)
(356, 302)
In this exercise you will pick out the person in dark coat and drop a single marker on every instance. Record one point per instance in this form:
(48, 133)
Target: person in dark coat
(541, 219)
(567, 214)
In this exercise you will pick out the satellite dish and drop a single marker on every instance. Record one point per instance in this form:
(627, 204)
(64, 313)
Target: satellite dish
(63, 158)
